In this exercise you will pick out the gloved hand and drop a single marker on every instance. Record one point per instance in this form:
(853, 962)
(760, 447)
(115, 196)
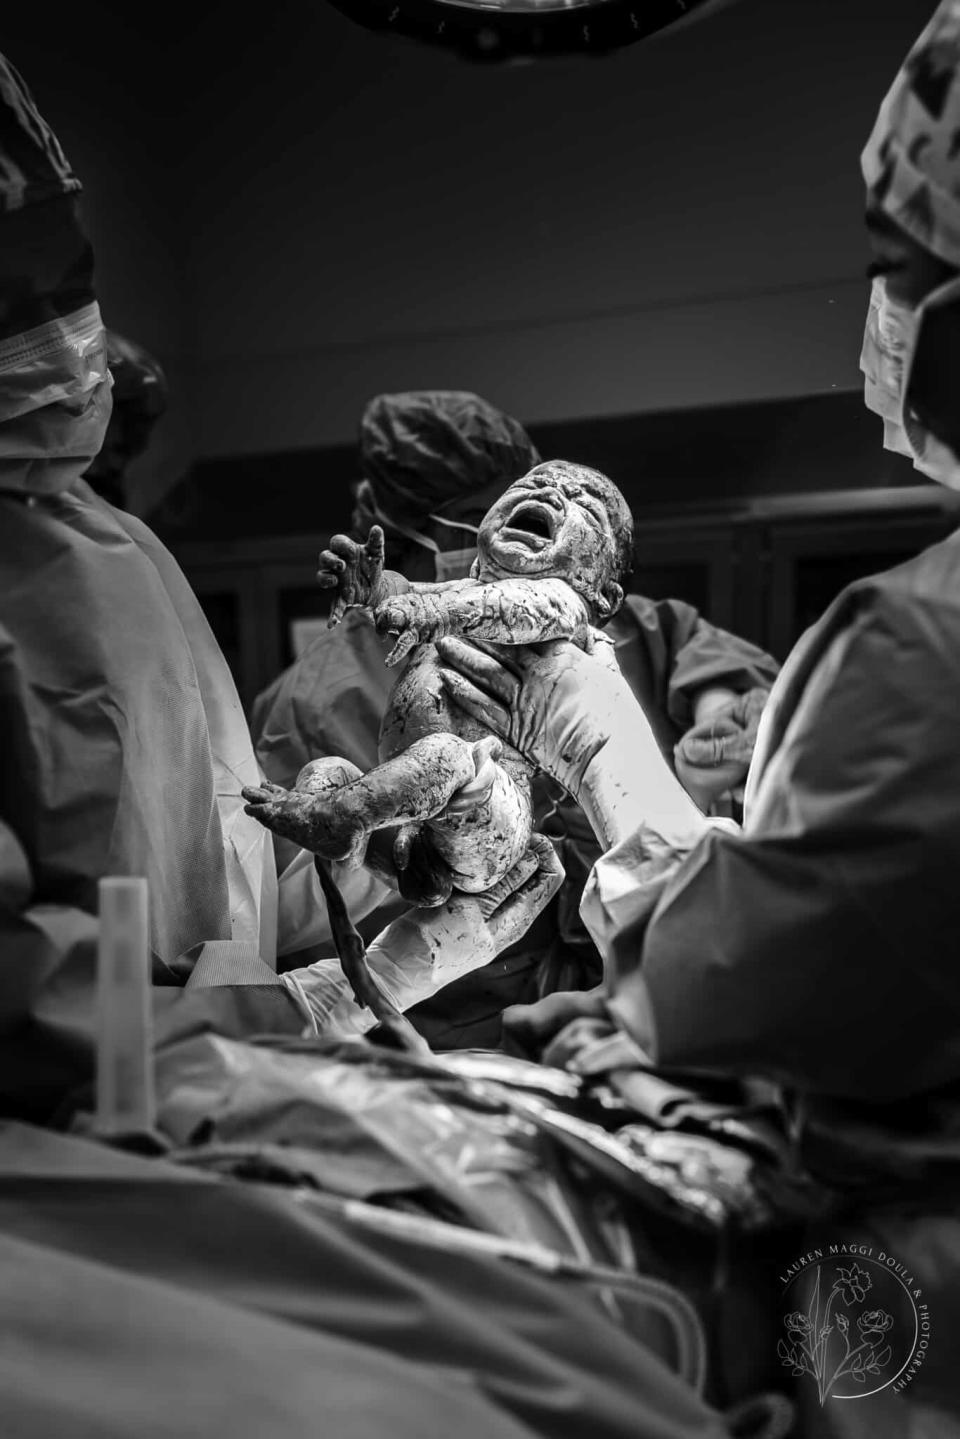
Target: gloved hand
(557, 704)
(713, 757)
(572, 713)
(529, 1028)
(426, 949)
(573, 1031)
(469, 930)
(591, 1047)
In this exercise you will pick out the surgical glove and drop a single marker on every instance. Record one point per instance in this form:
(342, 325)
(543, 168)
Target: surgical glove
(427, 949)
(713, 757)
(529, 1028)
(592, 1047)
(573, 1031)
(555, 703)
(572, 713)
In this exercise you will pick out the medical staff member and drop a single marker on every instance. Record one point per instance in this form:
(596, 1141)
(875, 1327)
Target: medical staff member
(124, 746)
(818, 947)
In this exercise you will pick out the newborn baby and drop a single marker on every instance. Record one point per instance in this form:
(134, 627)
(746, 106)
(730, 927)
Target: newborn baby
(450, 806)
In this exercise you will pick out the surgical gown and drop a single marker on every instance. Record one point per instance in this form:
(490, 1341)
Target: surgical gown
(819, 946)
(124, 749)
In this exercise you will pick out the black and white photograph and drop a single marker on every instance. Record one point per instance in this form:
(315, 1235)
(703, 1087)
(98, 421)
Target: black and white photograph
(480, 719)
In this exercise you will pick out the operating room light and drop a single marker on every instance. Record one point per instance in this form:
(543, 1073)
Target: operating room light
(517, 29)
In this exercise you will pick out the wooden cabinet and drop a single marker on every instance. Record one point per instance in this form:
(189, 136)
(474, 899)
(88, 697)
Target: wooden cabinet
(766, 570)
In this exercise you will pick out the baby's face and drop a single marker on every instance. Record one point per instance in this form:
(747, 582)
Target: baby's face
(560, 520)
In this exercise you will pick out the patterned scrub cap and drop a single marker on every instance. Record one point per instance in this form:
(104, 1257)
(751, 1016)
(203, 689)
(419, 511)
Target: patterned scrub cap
(912, 160)
(441, 451)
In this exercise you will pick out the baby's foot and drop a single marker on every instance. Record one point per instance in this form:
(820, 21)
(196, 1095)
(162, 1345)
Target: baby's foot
(319, 823)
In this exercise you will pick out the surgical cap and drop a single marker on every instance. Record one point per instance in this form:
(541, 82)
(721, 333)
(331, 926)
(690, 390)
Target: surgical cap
(912, 160)
(138, 379)
(440, 452)
(46, 261)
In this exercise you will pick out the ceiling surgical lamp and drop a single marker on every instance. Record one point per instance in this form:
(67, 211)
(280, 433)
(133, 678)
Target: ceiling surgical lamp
(499, 30)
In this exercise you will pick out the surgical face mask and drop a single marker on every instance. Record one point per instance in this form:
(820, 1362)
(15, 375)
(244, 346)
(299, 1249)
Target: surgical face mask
(447, 564)
(454, 564)
(55, 390)
(889, 349)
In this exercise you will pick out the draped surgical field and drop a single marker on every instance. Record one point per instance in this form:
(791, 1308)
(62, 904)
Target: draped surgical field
(559, 520)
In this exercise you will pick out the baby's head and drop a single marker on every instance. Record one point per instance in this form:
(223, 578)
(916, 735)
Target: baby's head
(565, 521)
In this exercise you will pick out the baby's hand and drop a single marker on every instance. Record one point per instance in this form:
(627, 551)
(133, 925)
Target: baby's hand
(355, 571)
(415, 619)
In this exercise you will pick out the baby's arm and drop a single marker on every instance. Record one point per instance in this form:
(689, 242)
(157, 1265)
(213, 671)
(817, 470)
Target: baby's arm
(514, 611)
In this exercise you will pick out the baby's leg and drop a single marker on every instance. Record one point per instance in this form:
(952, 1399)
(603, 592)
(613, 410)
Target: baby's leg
(335, 822)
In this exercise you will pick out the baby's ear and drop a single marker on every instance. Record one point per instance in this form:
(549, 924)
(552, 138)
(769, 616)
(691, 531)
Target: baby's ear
(609, 600)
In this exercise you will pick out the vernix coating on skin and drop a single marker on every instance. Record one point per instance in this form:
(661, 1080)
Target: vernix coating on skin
(551, 555)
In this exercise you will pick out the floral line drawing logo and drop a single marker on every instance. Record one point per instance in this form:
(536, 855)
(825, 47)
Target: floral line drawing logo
(810, 1346)
(856, 1321)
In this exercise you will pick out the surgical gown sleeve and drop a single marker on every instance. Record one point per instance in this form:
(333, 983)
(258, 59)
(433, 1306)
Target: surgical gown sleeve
(819, 945)
(417, 954)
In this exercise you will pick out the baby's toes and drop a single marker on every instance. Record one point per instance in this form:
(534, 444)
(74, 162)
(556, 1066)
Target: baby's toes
(261, 793)
(262, 812)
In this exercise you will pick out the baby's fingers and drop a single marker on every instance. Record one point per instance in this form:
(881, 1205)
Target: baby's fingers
(375, 545)
(331, 565)
(344, 548)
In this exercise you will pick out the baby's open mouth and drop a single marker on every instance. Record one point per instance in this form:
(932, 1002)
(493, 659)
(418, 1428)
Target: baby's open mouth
(533, 524)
